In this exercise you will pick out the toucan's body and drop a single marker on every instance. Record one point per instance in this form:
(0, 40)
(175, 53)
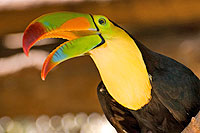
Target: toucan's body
(175, 92)
(141, 90)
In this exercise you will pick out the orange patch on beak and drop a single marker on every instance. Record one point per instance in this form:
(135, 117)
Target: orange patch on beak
(74, 24)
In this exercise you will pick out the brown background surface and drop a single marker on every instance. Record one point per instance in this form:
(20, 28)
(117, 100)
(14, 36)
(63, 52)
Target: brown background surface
(169, 27)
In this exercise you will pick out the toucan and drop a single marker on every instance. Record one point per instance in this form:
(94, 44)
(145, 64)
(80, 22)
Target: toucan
(141, 90)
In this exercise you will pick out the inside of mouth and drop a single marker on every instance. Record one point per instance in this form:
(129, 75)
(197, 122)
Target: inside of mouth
(58, 42)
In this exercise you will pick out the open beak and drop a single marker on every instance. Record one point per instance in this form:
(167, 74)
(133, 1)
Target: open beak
(79, 29)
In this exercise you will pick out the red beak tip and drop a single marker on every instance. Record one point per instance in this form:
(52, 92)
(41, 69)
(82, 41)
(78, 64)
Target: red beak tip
(27, 54)
(26, 51)
(43, 78)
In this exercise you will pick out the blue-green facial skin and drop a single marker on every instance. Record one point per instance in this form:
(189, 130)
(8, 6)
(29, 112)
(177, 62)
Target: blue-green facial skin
(107, 29)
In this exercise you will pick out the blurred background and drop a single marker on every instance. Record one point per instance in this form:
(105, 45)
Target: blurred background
(66, 101)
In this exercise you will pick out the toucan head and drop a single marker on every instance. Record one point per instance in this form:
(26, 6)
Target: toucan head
(84, 33)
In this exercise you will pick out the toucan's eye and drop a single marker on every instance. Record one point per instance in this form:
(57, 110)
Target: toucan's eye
(102, 21)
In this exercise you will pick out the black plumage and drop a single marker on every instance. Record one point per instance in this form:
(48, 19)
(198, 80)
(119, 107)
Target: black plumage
(175, 98)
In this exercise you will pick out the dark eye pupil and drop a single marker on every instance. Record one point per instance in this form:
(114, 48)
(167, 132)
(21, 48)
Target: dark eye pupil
(102, 21)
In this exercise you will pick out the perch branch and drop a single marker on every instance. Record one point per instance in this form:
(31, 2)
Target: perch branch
(194, 125)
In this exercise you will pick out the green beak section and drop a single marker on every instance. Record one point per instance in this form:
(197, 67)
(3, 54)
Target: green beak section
(70, 49)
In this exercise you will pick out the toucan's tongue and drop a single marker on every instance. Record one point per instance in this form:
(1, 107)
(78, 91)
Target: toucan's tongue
(78, 28)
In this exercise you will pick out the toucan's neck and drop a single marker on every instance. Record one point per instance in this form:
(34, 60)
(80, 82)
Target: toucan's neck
(123, 71)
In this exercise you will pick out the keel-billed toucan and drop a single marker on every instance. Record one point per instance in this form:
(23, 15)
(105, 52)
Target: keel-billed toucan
(141, 90)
